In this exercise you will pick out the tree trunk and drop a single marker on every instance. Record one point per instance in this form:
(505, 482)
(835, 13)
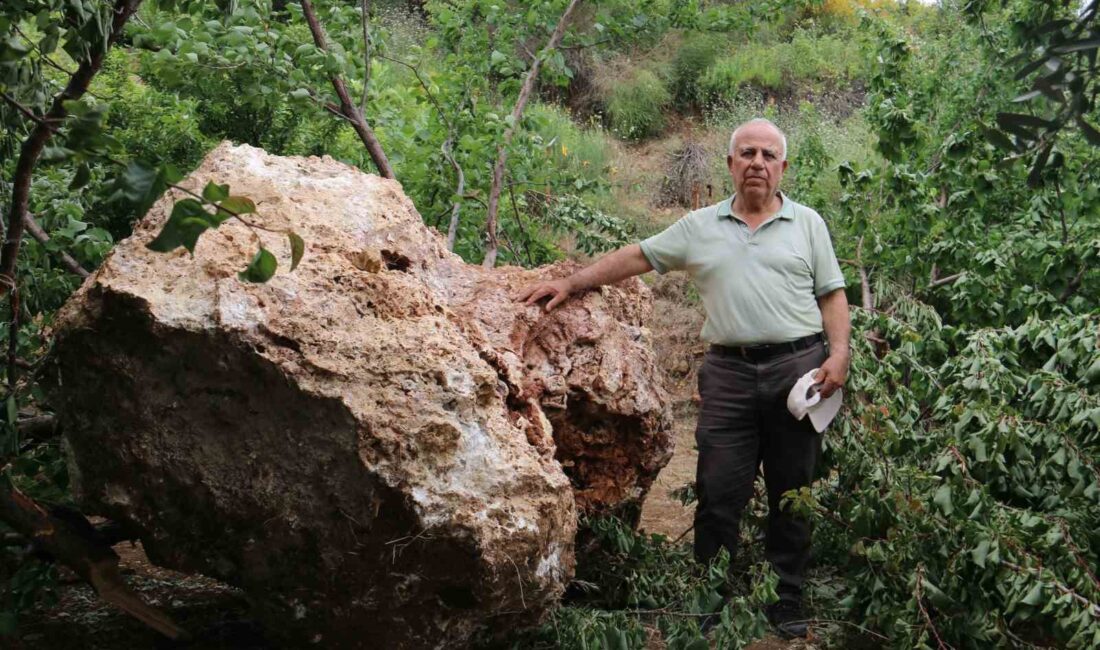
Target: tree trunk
(347, 107)
(502, 148)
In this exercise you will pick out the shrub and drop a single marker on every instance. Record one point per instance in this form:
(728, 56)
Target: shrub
(688, 66)
(636, 106)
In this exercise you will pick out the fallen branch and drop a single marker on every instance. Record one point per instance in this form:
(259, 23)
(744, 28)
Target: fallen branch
(75, 546)
(1092, 608)
(347, 107)
(948, 279)
(924, 612)
(37, 428)
(502, 148)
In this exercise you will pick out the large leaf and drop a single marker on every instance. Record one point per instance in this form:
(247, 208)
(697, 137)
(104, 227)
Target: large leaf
(297, 249)
(214, 192)
(187, 221)
(237, 205)
(142, 184)
(1077, 46)
(1090, 132)
(261, 268)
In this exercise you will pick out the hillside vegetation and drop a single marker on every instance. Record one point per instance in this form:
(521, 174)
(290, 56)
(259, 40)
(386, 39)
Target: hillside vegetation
(951, 149)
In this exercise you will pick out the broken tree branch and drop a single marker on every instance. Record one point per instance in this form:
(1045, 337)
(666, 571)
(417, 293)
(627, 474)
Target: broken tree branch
(347, 107)
(502, 148)
(75, 546)
(947, 279)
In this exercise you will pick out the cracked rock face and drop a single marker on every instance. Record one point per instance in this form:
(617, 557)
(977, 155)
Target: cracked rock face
(378, 445)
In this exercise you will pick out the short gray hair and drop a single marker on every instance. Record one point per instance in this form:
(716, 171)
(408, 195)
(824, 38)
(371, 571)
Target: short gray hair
(759, 120)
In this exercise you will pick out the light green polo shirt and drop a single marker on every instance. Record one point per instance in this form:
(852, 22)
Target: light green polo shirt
(757, 286)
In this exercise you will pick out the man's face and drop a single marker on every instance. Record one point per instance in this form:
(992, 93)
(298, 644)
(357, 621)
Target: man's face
(756, 163)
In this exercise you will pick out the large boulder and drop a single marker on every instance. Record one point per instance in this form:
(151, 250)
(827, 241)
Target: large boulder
(377, 445)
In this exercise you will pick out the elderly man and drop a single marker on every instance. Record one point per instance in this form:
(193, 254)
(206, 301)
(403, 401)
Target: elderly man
(770, 283)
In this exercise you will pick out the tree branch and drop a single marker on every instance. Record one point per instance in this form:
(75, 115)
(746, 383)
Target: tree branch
(502, 148)
(1073, 285)
(948, 279)
(27, 113)
(42, 238)
(460, 188)
(347, 107)
(866, 299)
(365, 18)
(73, 543)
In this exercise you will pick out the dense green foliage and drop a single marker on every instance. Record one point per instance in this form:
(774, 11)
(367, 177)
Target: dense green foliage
(960, 502)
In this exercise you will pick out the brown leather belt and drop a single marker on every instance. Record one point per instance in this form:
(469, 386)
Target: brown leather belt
(758, 353)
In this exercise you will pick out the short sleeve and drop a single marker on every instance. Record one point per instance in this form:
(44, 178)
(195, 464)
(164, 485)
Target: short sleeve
(827, 274)
(667, 250)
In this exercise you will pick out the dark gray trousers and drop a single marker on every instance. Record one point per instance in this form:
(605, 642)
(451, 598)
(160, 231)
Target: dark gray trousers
(743, 423)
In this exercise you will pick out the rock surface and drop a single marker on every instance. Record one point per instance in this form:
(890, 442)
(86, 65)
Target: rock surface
(378, 447)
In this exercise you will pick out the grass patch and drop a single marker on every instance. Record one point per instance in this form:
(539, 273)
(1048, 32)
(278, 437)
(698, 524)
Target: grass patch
(636, 105)
(816, 61)
(584, 150)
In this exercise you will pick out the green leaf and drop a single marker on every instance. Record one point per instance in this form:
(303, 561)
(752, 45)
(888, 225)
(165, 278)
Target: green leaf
(8, 625)
(1035, 595)
(142, 184)
(942, 499)
(214, 192)
(297, 249)
(12, 410)
(980, 553)
(261, 268)
(1021, 123)
(187, 221)
(81, 178)
(1077, 46)
(1090, 132)
(238, 205)
(1035, 176)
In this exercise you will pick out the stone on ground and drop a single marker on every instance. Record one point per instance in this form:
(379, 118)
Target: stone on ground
(381, 447)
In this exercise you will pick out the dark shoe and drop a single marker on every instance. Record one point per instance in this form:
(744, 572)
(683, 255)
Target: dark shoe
(788, 620)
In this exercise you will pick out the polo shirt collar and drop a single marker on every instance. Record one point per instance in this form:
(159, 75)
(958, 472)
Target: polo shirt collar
(786, 211)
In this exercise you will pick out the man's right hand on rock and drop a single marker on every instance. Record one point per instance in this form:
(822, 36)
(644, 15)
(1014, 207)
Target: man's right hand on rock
(558, 290)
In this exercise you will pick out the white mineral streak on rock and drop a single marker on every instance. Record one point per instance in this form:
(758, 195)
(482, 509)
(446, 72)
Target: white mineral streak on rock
(372, 446)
